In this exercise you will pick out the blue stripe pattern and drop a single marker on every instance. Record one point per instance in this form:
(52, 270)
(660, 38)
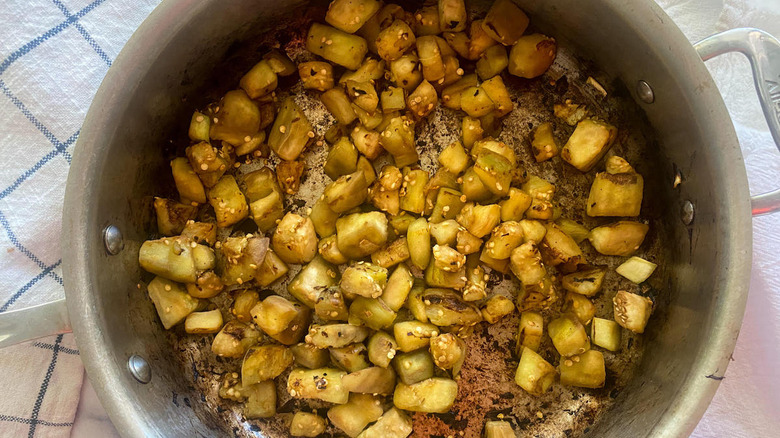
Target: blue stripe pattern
(44, 387)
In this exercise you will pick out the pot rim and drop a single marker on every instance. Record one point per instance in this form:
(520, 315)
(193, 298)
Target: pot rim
(80, 228)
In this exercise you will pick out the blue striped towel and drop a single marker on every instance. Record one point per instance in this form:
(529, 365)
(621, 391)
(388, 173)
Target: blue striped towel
(53, 56)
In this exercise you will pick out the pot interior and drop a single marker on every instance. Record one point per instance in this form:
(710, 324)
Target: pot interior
(189, 54)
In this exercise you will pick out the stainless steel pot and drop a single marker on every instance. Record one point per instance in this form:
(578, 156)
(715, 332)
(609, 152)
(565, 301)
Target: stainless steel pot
(174, 52)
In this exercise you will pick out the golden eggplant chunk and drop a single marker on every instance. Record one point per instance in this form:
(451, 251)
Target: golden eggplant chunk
(381, 349)
(264, 362)
(280, 63)
(353, 416)
(330, 305)
(393, 99)
(620, 238)
(203, 322)
(534, 374)
(260, 80)
(504, 239)
(316, 75)
(371, 312)
(451, 94)
(265, 198)
(473, 188)
(538, 296)
(228, 202)
(398, 139)
(342, 159)
(568, 335)
(573, 229)
(452, 15)
(479, 41)
(309, 356)
(449, 203)
(176, 258)
(615, 195)
(589, 142)
(272, 269)
(361, 234)
(260, 400)
(479, 220)
(471, 131)
(234, 339)
(498, 93)
(199, 127)
(363, 94)
(445, 232)
(475, 102)
(295, 240)
(405, 72)
(497, 147)
(448, 259)
(390, 177)
(347, 192)
(364, 279)
(397, 288)
(458, 41)
(414, 366)
(586, 370)
(559, 249)
(422, 100)
(544, 145)
(533, 230)
(430, 58)
(187, 182)
(434, 395)
(230, 388)
(426, 21)
(393, 424)
(208, 162)
(439, 278)
(418, 239)
(208, 285)
(319, 384)
(587, 282)
(339, 105)
(492, 62)
(395, 40)
(335, 335)
(243, 303)
(306, 424)
(632, 311)
(379, 21)
(570, 112)
(371, 380)
(336, 46)
(513, 208)
(616, 165)
(501, 265)
(350, 358)
(171, 300)
(454, 158)
(499, 429)
(350, 15)
(445, 308)
(541, 193)
(385, 200)
(255, 144)
(238, 117)
(497, 307)
(371, 70)
(392, 254)
(579, 306)
(605, 333)
(295, 332)
(413, 335)
(311, 280)
(291, 131)
(289, 174)
(172, 216)
(529, 332)
(448, 352)
(328, 248)
(413, 190)
(476, 280)
(324, 219)
(441, 179)
(414, 302)
(532, 55)
(274, 314)
(468, 243)
(636, 269)
(505, 22)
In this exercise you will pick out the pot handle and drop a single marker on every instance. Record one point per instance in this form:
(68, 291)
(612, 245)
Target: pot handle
(34, 322)
(763, 52)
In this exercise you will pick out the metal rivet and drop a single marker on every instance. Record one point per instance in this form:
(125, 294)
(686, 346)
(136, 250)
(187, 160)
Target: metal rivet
(139, 368)
(112, 238)
(687, 212)
(644, 92)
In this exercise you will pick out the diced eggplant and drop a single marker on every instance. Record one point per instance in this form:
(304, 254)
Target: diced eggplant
(476, 280)
(414, 366)
(316, 75)
(350, 15)
(347, 192)
(439, 278)
(471, 131)
(320, 384)
(171, 300)
(499, 429)
(353, 416)
(330, 305)
(532, 55)
(413, 335)
(505, 22)
(620, 238)
(451, 94)
(445, 232)
(371, 380)
(392, 254)
(497, 307)
(579, 306)
(306, 424)
(479, 220)
(260, 80)
(260, 400)
(172, 216)
(530, 332)
(492, 62)
(405, 72)
(350, 358)
(335, 335)
(589, 142)
(264, 362)
(361, 234)
(336, 46)
(448, 352)
(338, 104)
(342, 159)
(295, 240)
(534, 374)
(559, 249)
(393, 424)
(372, 312)
(175, 258)
(632, 311)
(636, 269)
(585, 371)
(422, 100)
(434, 395)
(615, 195)
(245, 300)
(203, 322)
(364, 279)
(475, 102)
(398, 139)
(544, 145)
(229, 203)
(452, 15)
(381, 349)
(587, 282)
(199, 127)
(274, 314)
(311, 280)
(568, 335)
(413, 190)
(289, 174)
(497, 91)
(208, 162)
(504, 239)
(238, 117)
(187, 182)
(414, 302)
(234, 339)
(393, 41)
(445, 308)
(309, 356)
(605, 333)
(291, 131)
(272, 269)
(280, 63)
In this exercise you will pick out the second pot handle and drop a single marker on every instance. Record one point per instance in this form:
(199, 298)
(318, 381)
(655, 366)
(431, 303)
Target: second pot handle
(763, 52)
(34, 322)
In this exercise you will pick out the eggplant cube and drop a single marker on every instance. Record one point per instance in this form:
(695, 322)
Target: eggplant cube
(589, 142)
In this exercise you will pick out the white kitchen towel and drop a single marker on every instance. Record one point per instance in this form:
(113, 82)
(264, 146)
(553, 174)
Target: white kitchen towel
(53, 55)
